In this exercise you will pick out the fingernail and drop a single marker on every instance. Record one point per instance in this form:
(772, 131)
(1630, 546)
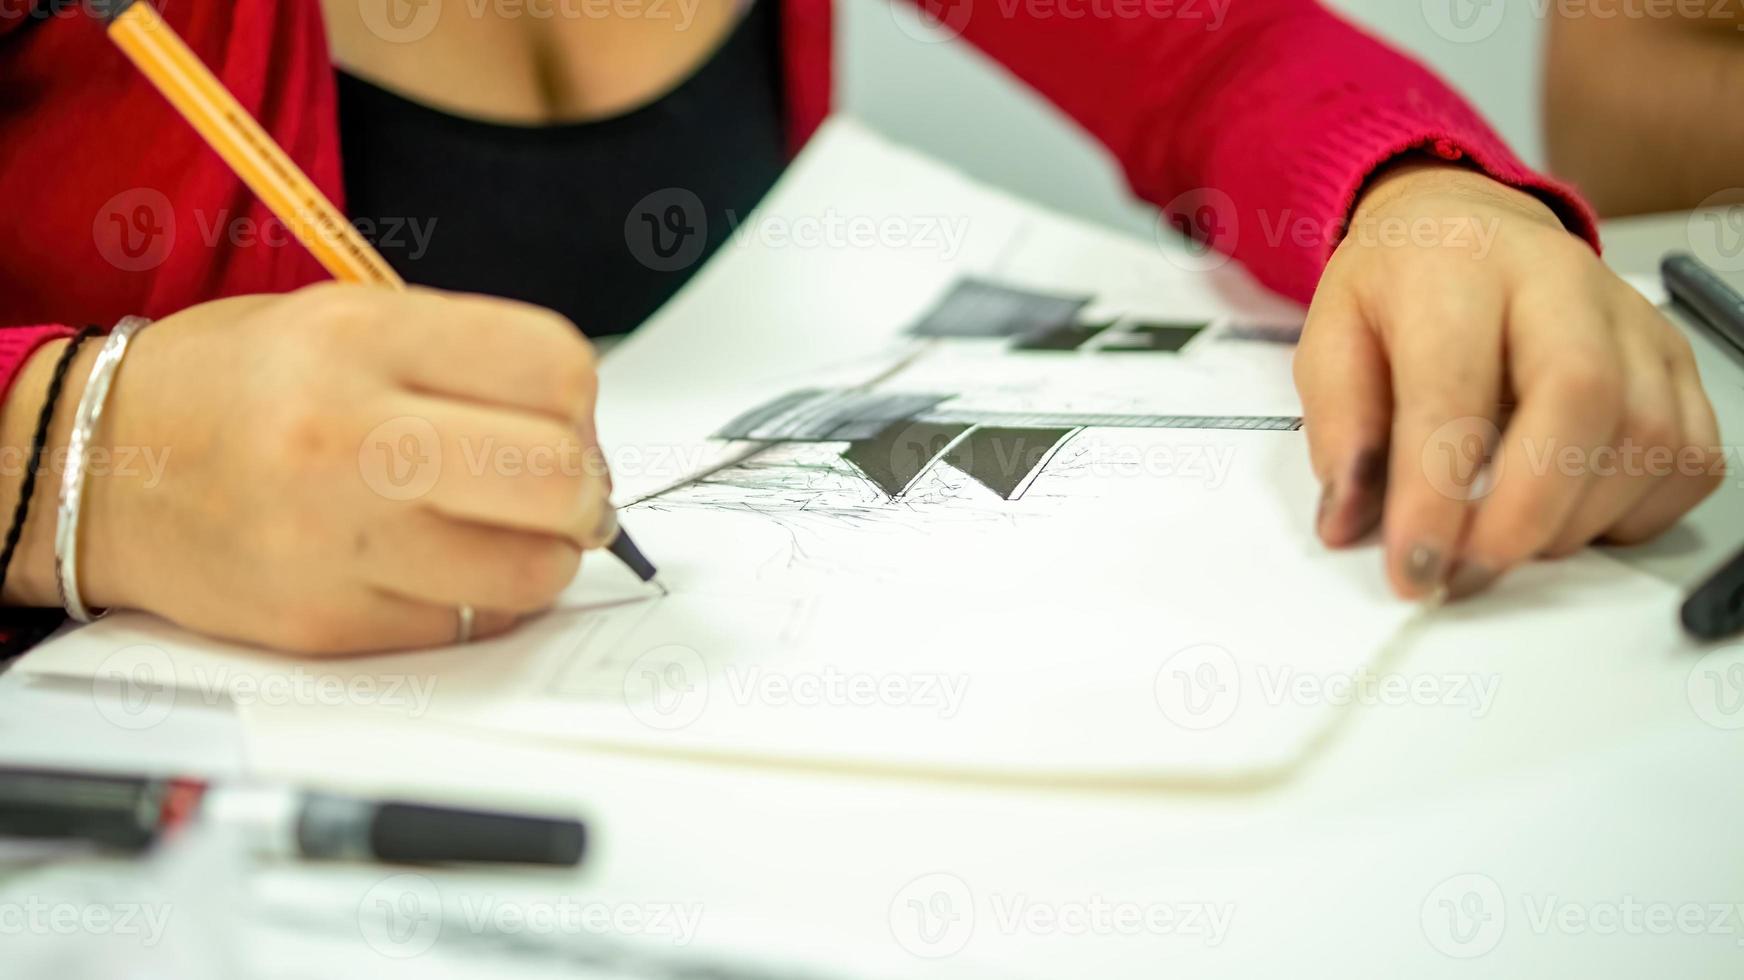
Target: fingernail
(1351, 507)
(1469, 579)
(607, 529)
(1369, 467)
(1423, 567)
(1328, 494)
(1368, 477)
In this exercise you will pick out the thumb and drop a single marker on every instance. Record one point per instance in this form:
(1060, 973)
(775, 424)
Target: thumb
(1347, 407)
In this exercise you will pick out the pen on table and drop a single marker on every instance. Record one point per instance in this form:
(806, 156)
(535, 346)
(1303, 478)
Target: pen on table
(1715, 609)
(131, 813)
(177, 72)
(1700, 290)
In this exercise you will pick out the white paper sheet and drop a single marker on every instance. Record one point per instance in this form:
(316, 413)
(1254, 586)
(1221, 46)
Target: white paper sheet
(1142, 603)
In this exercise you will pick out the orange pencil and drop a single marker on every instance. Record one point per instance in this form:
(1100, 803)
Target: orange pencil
(170, 65)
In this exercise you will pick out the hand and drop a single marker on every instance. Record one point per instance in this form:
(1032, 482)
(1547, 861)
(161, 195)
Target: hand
(1458, 323)
(346, 465)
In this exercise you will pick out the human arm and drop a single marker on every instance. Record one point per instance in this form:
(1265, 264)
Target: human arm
(1643, 112)
(1449, 282)
(325, 471)
(1254, 124)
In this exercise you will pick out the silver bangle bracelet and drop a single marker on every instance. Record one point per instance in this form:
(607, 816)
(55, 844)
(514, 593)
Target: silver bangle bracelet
(90, 412)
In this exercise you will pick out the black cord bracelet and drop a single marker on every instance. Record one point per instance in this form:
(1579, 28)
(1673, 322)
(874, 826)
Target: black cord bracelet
(38, 447)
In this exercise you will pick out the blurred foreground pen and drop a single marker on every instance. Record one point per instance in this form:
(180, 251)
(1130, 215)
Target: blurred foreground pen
(131, 813)
(1715, 609)
(176, 71)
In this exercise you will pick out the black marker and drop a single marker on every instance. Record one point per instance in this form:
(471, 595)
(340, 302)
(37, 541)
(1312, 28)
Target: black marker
(131, 813)
(1700, 290)
(1716, 608)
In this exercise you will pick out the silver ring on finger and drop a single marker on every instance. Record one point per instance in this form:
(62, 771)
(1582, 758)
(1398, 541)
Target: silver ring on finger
(463, 628)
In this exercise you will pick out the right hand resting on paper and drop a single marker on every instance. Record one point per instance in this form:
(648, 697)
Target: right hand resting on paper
(1488, 405)
(343, 466)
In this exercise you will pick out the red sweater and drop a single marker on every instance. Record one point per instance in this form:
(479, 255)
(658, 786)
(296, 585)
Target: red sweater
(1275, 114)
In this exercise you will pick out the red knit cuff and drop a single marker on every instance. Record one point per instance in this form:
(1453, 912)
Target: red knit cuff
(1362, 144)
(1490, 158)
(16, 346)
(1493, 160)
(20, 629)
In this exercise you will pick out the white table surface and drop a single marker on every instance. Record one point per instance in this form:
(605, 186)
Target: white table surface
(1583, 824)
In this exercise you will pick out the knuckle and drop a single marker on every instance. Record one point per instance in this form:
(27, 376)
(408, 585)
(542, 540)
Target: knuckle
(1636, 311)
(549, 436)
(556, 325)
(537, 322)
(1651, 428)
(573, 381)
(1711, 472)
(1574, 258)
(1678, 349)
(1568, 544)
(1588, 383)
(1629, 535)
(552, 498)
(552, 490)
(330, 310)
(1569, 262)
(317, 292)
(1717, 467)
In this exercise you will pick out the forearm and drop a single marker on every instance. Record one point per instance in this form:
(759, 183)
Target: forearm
(1644, 115)
(1256, 128)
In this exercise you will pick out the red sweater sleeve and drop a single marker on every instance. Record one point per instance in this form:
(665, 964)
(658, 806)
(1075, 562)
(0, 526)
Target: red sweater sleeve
(16, 346)
(1254, 123)
(22, 628)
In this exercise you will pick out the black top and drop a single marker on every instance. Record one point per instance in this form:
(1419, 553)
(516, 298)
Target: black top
(601, 221)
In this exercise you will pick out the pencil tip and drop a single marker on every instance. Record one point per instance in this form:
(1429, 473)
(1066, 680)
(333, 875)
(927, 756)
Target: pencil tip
(627, 552)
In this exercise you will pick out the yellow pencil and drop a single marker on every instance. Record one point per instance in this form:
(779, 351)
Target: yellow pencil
(173, 68)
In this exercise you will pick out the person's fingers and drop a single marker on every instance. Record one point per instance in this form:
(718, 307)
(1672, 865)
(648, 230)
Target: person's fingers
(496, 352)
(422, 555)
(506, 468)
(1569, 376)
(1447, 376)
(1697, 463)
(381, 622)
(1347, 409)
(1624, 473)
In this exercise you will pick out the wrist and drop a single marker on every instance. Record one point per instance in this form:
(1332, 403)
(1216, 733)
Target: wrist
(30, 579)
(106, 566)
(123, 467)
(1415, 183)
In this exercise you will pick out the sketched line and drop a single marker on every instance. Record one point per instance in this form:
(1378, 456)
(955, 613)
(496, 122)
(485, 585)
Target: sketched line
(752, 450)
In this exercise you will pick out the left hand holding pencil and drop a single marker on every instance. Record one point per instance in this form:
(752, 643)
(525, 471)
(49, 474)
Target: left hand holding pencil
(346, 465)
